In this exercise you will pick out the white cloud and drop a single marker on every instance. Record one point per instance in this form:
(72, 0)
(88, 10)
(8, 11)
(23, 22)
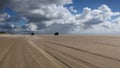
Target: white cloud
(72, 9)
(51, 15)
(55, 14)
(31, 27)
(98, 21)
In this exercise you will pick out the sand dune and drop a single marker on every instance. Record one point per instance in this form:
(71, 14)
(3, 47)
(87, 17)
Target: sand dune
(45, 51)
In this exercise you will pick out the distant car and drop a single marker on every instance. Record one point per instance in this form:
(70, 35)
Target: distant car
(56, 33)
(32, 34)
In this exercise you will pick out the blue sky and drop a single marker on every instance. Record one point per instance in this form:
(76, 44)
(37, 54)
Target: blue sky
(94, 4)
(17, 19)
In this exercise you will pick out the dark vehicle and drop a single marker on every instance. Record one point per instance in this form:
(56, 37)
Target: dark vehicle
(32, 34)
(56, 33)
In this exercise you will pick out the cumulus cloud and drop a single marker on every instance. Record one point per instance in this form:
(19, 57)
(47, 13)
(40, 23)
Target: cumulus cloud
(72, 9)
(97, 20)
(89, 21)
(61, 28)
(30, 27)
(49, 16)
(42, 12)
(7, 26)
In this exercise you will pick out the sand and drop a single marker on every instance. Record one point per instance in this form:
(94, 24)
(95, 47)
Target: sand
(65, 51)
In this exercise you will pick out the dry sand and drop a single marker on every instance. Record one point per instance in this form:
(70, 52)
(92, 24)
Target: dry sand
(45, 51)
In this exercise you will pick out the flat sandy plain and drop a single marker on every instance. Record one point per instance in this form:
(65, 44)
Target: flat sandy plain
(47, 51)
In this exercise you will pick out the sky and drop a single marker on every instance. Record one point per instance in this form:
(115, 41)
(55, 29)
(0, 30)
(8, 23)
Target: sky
(94, 4)
(63, 16)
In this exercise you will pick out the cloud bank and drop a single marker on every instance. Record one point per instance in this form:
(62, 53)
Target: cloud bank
(49, 16)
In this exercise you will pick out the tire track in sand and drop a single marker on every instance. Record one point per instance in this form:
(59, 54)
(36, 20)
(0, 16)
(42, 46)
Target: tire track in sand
(6, 51)
(58, 44)
(48, 56)
(75, 58)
